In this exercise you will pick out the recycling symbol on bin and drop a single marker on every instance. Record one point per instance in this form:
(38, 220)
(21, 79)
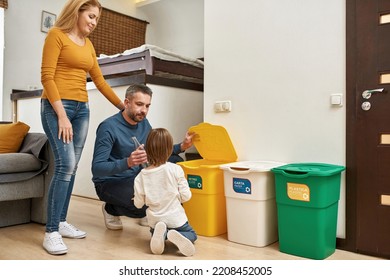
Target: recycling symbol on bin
(242, 186)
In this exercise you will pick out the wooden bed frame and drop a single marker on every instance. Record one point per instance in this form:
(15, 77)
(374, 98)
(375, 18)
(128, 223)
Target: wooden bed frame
(154, 68)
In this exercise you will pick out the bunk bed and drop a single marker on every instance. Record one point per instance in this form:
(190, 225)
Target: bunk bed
(152, 64)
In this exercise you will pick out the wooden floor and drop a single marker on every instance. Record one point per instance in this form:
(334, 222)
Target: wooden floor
(24, 242)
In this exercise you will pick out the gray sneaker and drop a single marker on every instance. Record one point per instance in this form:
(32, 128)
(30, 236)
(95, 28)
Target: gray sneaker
(185, 245)
(112, 222)
(70, 231)
(53, 243)
(143, 222)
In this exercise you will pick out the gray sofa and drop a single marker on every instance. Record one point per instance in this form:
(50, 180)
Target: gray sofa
(24, 180)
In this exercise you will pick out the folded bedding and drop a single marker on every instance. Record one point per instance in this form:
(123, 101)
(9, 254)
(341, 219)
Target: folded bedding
(158, 53)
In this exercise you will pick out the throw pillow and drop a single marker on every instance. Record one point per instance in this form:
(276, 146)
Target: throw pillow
(12, 136)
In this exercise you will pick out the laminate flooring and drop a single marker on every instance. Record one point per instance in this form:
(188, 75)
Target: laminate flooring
(24, 242)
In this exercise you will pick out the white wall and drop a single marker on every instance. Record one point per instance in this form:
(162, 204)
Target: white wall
(278, 62)
(23, 46)
(175, 25)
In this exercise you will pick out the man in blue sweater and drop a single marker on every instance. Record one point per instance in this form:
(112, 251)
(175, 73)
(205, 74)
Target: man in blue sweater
(117, 161)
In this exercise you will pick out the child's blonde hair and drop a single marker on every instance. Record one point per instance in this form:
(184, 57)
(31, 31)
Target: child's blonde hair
(159, 146)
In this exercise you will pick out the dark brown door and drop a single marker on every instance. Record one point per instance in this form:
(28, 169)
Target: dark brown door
(368, 127)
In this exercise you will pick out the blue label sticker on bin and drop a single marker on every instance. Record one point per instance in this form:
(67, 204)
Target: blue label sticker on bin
(241, 185)
(194, 181)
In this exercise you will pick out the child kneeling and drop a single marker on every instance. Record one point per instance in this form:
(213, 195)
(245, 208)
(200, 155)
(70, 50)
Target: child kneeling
(162, 187)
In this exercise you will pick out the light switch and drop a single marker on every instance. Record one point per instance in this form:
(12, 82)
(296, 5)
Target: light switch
(336, 99)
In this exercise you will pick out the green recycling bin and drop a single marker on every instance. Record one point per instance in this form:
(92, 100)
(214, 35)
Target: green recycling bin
(307, 196)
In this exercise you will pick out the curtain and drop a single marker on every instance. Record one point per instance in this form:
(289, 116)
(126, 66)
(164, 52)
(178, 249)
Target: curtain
(116, 33)
(4, 4)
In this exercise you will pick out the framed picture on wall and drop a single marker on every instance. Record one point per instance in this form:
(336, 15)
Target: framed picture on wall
(47, 21)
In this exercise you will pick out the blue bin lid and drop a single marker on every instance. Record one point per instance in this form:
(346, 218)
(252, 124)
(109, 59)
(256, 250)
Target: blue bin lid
(309, 169)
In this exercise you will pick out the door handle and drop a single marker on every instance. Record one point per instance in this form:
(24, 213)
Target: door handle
(367, 93)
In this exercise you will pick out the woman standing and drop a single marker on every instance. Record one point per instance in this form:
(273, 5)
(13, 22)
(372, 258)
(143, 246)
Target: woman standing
(68, 55)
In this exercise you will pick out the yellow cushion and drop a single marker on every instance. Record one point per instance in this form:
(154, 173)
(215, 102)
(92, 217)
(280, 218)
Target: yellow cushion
(12, 136)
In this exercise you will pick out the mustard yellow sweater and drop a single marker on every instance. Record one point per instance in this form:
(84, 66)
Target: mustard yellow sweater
(65, 66)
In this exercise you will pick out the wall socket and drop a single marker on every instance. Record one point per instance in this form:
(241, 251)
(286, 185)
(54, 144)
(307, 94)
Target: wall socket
(32, 87)
(222, 106)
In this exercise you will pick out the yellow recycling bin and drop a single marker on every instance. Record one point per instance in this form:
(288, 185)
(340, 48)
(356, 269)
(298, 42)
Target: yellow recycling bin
(206, 210)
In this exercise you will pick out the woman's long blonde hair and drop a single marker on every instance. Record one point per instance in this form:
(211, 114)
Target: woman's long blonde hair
(70, 12)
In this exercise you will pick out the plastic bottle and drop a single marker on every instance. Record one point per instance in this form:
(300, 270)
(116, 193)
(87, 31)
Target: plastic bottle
(137, 144)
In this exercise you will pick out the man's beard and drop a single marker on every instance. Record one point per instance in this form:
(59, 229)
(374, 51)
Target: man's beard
(137, 117)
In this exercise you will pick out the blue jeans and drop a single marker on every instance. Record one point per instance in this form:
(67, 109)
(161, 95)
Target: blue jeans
(66, 156)
(186, 230)
(117, 194)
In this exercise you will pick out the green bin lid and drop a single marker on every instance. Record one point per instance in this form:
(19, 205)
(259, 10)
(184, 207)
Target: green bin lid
(213, 142)
(310, 169)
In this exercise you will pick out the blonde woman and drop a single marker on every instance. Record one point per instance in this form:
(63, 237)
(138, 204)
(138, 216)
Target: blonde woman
(162, 187)
(68, 55)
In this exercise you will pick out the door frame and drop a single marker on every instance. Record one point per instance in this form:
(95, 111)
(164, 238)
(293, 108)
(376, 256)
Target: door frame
(349, 243)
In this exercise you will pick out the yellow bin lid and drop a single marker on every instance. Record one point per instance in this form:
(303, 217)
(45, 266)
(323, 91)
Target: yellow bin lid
(213, 142)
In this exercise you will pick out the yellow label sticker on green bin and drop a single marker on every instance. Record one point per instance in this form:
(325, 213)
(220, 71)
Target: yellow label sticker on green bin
(298, 191)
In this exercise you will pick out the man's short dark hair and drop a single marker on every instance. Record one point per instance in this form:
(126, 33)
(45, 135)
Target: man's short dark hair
(133, 88)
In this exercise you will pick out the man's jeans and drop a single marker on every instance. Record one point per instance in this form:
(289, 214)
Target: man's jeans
(118, 197)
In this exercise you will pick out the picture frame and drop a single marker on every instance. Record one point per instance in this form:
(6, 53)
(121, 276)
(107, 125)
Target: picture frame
(47, 21)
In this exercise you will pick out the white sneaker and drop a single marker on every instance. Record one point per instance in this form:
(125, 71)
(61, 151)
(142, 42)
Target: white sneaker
(185, 245)
(157, 243)
(112, 222)
(143, 222)
(70, 231)
(53, 243)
